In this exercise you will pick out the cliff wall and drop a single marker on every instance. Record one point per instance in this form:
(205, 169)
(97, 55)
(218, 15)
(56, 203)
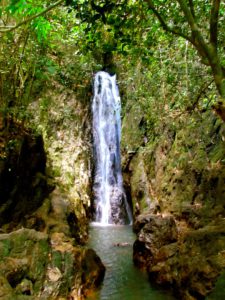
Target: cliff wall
(175, 176)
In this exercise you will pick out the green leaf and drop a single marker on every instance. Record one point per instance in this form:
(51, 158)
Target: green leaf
(42, 27)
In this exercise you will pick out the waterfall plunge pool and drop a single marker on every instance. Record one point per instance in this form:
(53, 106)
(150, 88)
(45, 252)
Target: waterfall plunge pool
(123, 281)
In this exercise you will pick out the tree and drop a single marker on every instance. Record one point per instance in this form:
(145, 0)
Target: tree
(200, 23)
(107, 28)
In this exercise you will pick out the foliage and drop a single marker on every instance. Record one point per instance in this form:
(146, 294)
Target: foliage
(24, 57)
(169, 88)
(200, 23)
(161, 72)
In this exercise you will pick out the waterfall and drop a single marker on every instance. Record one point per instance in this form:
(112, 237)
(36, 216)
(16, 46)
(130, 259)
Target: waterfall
(110, 201)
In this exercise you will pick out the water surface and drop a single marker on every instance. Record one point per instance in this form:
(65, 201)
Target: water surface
(123, 281)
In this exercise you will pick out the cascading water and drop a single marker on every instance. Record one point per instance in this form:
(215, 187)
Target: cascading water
(110, 201)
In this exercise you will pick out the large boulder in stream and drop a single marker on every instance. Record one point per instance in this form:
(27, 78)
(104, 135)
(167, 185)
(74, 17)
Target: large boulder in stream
(154, 232)
(188, 261)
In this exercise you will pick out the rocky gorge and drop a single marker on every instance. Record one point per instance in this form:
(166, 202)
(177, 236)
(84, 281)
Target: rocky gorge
(176, 187)
(173, 176)
(169, 61)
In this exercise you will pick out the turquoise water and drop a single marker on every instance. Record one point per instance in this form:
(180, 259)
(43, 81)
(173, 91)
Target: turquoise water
(123, 281)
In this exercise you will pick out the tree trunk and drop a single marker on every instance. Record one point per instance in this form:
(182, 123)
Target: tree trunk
(219, 78)
(219, 107)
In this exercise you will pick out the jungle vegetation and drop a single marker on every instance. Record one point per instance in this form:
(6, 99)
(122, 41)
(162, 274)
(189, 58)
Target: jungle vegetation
(170, 55)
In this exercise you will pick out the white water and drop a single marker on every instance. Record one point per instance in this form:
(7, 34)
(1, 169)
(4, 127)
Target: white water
(111, 205)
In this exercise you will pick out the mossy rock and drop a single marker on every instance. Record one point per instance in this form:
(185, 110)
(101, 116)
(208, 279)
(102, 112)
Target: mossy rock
(25, 260)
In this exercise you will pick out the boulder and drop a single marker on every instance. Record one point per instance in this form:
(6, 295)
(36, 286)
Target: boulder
(155, 232)
(36, 267)
(189, 262)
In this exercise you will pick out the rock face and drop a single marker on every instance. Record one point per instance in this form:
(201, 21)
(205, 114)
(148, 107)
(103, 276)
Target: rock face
(175, 179)
(66, 127)
(155, 233)
(41, 256)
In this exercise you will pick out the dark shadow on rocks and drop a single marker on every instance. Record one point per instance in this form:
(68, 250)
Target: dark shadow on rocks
(23, 182)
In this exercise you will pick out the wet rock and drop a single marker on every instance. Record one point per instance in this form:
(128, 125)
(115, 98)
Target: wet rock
(41, 256)
(24, 258)
(179, 172)
(119, 214)
(94, 270)
(189, 262)
(155, 232)
(139, 185)
(124, 244)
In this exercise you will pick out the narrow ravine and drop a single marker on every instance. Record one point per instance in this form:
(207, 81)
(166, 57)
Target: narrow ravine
(123, 280)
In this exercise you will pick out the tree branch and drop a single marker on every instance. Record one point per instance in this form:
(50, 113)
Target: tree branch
(202, 91)
(11, 28)
(197, 37)
(163, 22)
(192, 8)
(214, 23)
(188, 14)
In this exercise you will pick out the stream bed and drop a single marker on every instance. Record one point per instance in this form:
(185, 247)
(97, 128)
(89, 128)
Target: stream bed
(122, 279)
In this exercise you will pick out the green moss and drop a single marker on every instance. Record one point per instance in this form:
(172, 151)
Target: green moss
(56, 172)
(219, 291)
(68, 269)
(5, 248)
(57, 259)
(218, 153)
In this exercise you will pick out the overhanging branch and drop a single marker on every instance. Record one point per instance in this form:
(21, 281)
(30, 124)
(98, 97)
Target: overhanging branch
(197, 38)
(164, 24)
(11, 28)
